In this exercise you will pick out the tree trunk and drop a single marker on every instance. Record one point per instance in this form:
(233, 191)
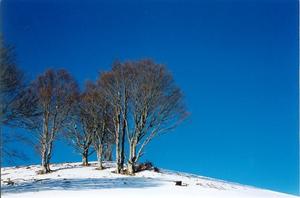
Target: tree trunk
(49, 154)
(44, 148)
(99, 156)
(44, 145)
(45, 164)
(131, 168)
(123, 144)
(118, 149)
(48, 167)
(118, 168)
(84, 155)
(132, 158)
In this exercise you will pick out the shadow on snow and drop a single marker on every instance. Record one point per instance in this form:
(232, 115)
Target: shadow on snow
(80, 184)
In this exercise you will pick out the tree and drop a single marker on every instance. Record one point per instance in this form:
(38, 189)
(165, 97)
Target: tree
(11, 82)
(156, 107)
(113, 85)
(12, 108)
(98, 113)
(146, 103)
(79, 132)
(55, 93)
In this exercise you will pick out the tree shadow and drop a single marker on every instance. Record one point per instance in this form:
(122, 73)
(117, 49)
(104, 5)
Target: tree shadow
(64, 166)
(80, 184)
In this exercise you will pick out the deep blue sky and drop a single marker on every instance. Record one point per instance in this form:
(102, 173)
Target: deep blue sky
(236, 61)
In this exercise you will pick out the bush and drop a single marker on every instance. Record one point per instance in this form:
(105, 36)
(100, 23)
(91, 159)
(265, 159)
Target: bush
(146, 166)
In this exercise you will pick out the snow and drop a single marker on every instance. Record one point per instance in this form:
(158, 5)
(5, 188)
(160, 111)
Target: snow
(74, 180)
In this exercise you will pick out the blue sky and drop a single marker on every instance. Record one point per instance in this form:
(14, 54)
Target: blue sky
(236, 61)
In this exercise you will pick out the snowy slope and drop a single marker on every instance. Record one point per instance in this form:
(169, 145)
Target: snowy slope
(73, 180)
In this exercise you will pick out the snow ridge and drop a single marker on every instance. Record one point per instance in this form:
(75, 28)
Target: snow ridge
(74, 180)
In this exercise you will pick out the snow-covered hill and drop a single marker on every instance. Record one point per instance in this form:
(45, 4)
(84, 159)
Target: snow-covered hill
(73, 180)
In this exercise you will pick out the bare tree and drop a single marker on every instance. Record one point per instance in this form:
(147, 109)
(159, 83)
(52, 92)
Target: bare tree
(12, 108)
(113, 89)
(85, 122)
(146, 103)
(79, 133)
(156, 107)
(98, 114)
(11, 83)
(55, 93)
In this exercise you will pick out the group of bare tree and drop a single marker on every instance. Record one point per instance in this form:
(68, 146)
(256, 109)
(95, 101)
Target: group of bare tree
(125, 107)
(11, 109)
(145, 103)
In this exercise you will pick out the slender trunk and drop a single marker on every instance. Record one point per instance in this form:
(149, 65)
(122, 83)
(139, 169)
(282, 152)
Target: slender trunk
(44, 145)
(48, 167)
(123, 144)
(118, 156)
(51, 139)
(49, 154)
(132, 157)
(84, 155)
(118, 149)
(44, 161)
(123, 128)
(130, 168)
(99, 156)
